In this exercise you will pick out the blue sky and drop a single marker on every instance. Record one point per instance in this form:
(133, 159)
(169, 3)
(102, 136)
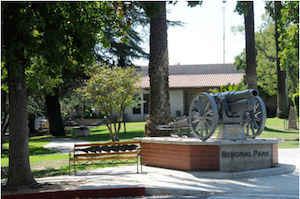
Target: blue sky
(200, 41)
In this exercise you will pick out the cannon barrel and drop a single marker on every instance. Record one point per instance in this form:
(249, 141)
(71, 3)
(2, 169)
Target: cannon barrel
(232, 96)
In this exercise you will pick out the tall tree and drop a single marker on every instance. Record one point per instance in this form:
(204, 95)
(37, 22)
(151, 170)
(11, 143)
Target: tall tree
(121, 52)
(53, 36)
(274, 9)
(282, 100)
(159, 105)
(246, 8)
(14, 40)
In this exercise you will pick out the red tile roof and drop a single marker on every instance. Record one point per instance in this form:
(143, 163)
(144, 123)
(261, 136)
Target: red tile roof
(198, 80)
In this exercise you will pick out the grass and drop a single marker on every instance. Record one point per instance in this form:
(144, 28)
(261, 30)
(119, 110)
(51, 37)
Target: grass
(101, 133)
(57, 164)
(275, 129)
(44, 164)
(36, 147)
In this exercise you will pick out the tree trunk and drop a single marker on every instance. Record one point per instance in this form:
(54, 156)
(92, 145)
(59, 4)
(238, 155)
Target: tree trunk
(159, 105)
(4, 116)
(282, 107)
(19, 167)
(57, 127)
(250, 77)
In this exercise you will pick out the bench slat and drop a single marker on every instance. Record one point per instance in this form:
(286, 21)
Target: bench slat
(107, 144)
(103, 158)
(104, 154)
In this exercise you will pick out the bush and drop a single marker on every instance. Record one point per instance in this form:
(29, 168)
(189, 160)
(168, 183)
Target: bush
(296, 103)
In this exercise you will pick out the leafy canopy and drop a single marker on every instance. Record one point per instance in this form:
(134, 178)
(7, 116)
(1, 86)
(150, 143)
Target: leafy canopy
(59, 35)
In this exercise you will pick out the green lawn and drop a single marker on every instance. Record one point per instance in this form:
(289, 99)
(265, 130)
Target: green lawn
(275, 129)
(101, 133)
(44, 164)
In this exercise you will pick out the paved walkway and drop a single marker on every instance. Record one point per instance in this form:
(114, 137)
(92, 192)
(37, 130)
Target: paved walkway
(159, 181)
(64, 145)
(167, 181)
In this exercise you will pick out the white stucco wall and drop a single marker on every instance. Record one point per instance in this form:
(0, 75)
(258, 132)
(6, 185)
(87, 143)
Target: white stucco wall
(176, 102)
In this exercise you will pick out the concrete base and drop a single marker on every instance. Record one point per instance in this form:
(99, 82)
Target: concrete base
(192, 154)
(231, 132)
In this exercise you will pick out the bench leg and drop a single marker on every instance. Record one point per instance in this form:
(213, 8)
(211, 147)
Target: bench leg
(141, 163)
(74, 168)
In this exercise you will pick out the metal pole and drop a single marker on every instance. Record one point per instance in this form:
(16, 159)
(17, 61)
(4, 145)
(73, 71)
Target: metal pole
(287, 84)
(223, 8)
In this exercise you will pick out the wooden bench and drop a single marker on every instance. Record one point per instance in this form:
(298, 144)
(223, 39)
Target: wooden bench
(106, 153)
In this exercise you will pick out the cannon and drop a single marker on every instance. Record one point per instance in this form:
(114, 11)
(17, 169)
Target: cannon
(207, 111)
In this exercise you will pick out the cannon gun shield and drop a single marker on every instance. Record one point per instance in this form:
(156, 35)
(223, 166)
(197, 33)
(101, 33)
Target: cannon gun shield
(255, 119)
(203, 115)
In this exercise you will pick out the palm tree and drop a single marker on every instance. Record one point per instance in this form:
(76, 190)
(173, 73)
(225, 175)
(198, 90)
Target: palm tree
(246, 8)
(159, 105)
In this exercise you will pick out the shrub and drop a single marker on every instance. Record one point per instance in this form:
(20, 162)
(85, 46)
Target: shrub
(296, 103)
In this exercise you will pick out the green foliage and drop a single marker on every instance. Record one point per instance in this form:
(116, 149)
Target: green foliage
(230, 87)
(34, 108)
(152, 9)
(266, 56)
(73, 102)
(58, 35)
(295, 99)
(289, 41)
(266, 59)
(287, 19)
(240, 61)
(4, 85)
(111, 90)
(242, 7)
(195, 3)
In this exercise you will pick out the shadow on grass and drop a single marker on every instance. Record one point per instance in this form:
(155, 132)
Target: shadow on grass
(131, 134)
(279, 131)
(63, 170)
(33, 150)
(97, 136)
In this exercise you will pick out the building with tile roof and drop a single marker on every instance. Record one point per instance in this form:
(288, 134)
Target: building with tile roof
(185, 81)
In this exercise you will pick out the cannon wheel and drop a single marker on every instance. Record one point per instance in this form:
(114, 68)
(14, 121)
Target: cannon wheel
(203, 115)
(255, 120)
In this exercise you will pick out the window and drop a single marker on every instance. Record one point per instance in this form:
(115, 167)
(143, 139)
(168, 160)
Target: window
(137, 110)
(146, 104)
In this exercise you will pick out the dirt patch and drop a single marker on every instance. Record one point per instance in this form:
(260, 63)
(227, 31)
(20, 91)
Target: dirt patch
(45, 187)
(49, 164)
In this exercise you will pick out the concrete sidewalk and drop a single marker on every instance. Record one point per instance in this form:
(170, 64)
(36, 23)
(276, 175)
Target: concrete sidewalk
(64, 145)
(159, 181)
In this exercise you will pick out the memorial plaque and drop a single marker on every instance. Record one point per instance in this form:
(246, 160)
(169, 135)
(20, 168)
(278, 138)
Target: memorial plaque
(234, 158)
(231, 132)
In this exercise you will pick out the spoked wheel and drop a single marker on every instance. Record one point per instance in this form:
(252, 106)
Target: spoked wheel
(255, 119)
(203, 115)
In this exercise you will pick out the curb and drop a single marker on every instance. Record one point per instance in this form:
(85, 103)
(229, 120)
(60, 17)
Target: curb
(275, 170)
(99, 193)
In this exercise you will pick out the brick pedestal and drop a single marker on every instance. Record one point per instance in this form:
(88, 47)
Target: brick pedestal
(191, 154)
(181, 157)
